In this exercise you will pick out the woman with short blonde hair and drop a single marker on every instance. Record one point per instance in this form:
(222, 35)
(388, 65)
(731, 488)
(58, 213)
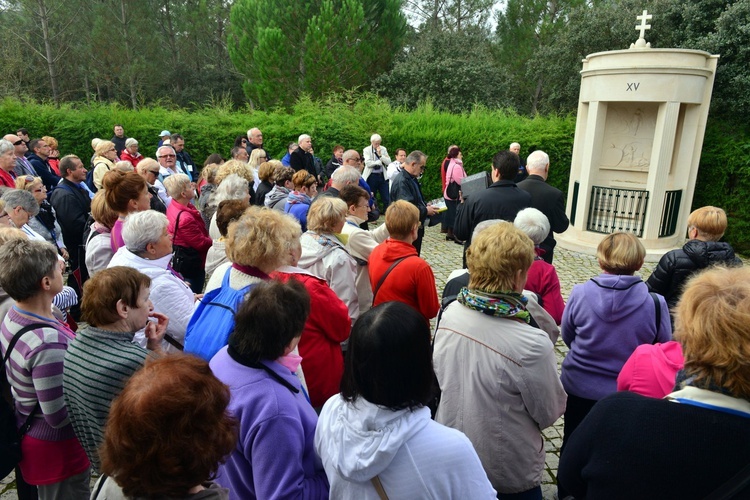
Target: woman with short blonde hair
(45, 222)
(499, 267)
(325, 256)
(605, 320)
(105, 156)
(266, 176)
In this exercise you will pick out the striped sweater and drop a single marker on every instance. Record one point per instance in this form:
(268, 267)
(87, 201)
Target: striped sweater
(34, 371)
(96, 367)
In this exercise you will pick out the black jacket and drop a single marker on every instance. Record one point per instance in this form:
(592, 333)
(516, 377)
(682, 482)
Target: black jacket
(677, 266)
(43, 170)
(119, 143)
(186, 163)
(302, 160)
(331, 166)
(72, 205)
(264, 188)
(501, 200)
(405, 186)
(550, 201)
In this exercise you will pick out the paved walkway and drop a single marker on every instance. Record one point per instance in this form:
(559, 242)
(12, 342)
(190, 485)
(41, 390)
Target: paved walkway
(572, 268)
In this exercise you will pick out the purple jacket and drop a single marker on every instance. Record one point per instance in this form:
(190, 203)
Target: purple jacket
(605, 319)
(275, 455)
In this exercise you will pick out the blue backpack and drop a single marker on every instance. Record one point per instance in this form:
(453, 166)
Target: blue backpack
(90, 180)
(213, 319)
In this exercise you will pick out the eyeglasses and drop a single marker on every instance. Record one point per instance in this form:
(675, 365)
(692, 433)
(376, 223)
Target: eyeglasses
(18, 142)
(155, 172)
(168, 156)
(29, 178)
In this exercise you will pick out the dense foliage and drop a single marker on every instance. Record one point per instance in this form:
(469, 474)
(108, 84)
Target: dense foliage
(723, 179)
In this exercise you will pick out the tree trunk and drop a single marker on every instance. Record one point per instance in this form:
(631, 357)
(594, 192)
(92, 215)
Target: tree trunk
(51, 69)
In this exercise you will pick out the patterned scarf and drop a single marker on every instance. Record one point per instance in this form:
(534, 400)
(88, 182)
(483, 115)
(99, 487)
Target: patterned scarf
(685, 379)
(498, 304)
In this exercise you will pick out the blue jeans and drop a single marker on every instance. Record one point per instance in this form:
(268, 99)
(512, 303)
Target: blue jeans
(378, 184)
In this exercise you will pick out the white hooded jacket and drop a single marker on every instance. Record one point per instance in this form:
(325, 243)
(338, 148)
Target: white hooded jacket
(413, 456)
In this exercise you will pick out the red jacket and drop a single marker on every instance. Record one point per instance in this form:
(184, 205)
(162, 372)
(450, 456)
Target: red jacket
(410, 282)
(192, 231)
(6, 179)
(543, 281)
(134, 160)
(320, 346)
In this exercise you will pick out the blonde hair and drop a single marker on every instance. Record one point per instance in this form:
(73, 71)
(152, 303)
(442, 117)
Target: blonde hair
(400, 218)
(103, 146)
(51, 141)
(209, 173)
(711, 323)
(262, 238)
(22, 184)
(101, 211)
(303, 178)
(175, 184)
(234, 167)
(620, 253)
(711, 222)
(325, 214)
(254, 160)
(11, 234)
(266, 169)
(145, 164)
(125, 166)
(496, 256)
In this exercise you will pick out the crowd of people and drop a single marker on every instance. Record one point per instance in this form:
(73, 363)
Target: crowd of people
(247, 334)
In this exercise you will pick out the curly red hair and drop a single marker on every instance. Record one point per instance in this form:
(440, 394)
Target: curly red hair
(169, 429)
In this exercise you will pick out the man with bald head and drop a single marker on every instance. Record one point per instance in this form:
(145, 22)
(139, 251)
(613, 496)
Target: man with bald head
(23, 166)
(547, 199)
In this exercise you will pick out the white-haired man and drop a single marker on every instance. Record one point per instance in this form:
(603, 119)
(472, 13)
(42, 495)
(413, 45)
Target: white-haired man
(522, 172)
(302, 158)
(23, 166)
(547, 199)
(255, 140)
(376, 162)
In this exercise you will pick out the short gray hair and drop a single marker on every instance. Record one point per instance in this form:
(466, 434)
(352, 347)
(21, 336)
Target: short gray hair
(20, 198)
(537, 160)
(6, 146)
(142, 228)
(484, 225)
(176, 184)
(347, 155)
(233, 187)
(25, 263)
(165, 146)
(415, 157)
(534, 223)
(303, 137)
(345, 175)
(375, 137)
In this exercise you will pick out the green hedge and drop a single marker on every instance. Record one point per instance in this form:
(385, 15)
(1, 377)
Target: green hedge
(349, 120)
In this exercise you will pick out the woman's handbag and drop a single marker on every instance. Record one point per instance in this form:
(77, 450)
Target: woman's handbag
(184, 258)
(452, 191)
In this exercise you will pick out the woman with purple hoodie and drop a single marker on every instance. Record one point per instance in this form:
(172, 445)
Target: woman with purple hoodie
(605, 319)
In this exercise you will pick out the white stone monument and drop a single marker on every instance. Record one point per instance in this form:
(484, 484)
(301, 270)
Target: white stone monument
(639, 134)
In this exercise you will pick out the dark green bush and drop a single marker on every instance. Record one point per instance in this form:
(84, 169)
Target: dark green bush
(349, 120)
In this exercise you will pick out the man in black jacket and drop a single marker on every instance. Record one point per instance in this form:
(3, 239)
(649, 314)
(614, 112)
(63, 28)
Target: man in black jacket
(184, 161)
(38, 160)
(302, 158)
(118, 139)
(72, 205)
(405, 186)
(547, 199)
(501, 200)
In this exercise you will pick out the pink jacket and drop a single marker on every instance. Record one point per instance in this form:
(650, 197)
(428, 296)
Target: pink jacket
(453, 172)
(543, 281)
(651, 369)
(192, 231)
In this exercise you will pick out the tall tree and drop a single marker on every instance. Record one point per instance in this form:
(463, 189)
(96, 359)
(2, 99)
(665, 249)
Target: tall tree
(286, 49)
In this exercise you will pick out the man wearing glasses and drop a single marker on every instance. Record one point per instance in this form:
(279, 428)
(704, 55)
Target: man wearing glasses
(23, 166)
(167, 159)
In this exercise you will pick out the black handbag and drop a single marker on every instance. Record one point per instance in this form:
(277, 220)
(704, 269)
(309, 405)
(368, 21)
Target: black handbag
(184, 258)
(452, 191)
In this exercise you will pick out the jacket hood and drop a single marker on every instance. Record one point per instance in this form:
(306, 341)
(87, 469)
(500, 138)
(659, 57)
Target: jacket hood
(363, 438)
(706, 253)
(276, 194)
(395, 249)
(614, 297)
(151, 268)
(316, 246)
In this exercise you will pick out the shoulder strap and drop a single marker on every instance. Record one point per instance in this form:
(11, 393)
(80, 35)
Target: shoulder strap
(385, 275)
(379, 488)
(734, 485)
(657, 307)
(177, 225)
(12, 344)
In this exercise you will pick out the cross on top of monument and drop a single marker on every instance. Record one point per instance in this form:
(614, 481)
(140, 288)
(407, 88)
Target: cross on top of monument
(641, 42)
(643, 18)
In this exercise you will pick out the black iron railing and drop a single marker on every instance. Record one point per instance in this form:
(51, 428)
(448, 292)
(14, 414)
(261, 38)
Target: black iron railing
(613, 209)
(670, 213)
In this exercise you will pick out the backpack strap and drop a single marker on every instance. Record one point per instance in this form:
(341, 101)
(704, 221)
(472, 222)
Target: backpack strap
(385, 275)
(657, 307)
(11, 345)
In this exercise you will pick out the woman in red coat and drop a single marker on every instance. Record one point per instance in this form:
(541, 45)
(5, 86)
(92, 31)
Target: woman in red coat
(189, 234)
(327, 326)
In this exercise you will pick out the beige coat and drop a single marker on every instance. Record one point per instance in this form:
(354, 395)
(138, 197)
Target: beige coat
(500, 387)
(360, 244)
